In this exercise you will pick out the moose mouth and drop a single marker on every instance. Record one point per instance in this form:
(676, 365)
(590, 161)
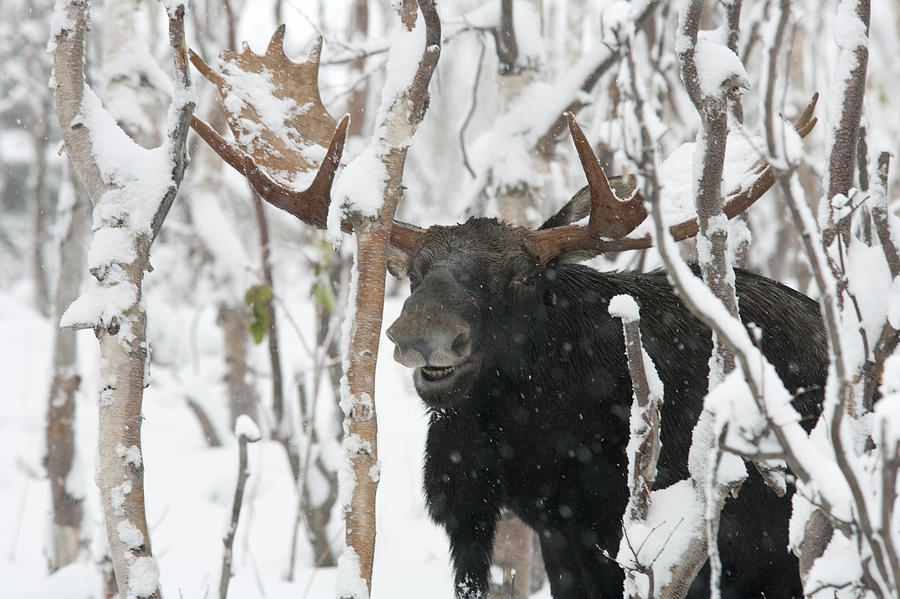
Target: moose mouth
(432, 374)
(444, 386)
(442, 378)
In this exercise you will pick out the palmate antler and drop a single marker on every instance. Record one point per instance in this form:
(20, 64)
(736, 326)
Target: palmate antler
(612, 219)
(271, 152)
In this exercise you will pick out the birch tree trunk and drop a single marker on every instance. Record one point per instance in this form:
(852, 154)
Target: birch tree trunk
(242, 397)
(115, 308)
(400, 113)
(66, 532)
(400, 117)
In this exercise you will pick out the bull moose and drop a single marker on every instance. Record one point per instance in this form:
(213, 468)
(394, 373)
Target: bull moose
(524, 371)
(524, 374)
(525, 377)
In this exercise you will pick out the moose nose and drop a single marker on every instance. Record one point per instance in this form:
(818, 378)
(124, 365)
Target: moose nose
(440, 347)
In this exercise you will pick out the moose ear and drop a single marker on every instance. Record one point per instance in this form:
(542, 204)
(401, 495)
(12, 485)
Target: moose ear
(580, 205)
(574, 210)
(397, 262)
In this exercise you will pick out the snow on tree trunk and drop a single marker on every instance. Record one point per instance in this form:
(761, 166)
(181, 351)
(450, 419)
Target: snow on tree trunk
(120, 469)
(711, 73)
(360, 482)
(368, 193)
(132, 190)
(852, 36)
(643, 446)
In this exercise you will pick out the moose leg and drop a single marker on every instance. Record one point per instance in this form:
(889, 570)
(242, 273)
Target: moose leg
(576, 567)
(470, 523)
(464, 496)
(471, 543)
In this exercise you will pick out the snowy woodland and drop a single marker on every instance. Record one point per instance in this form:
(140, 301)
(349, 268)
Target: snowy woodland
(190, 391)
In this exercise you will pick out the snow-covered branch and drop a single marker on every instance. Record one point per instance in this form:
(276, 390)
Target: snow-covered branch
(643, 448)
(710, 72)
(845, 106)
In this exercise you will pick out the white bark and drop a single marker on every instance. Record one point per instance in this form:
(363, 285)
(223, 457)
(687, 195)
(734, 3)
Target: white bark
(121, 327)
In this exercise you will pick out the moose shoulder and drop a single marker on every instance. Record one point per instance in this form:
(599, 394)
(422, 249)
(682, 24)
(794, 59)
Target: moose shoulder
(525, 375)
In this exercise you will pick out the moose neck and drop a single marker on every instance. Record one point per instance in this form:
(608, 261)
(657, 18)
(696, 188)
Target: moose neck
(559, 338)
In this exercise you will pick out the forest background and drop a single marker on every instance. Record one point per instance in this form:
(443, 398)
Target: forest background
(235, 282)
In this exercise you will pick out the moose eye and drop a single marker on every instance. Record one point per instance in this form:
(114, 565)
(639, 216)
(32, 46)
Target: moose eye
(528, 281)
(413, 279)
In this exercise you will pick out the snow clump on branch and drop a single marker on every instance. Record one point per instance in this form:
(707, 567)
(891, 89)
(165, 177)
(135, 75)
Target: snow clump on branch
(719, 69)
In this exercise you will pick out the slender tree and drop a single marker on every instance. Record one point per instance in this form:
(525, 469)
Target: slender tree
(67, 535)
(129, 207)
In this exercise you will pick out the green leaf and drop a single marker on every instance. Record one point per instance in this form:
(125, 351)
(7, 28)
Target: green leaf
(259, 299)
(324, 295)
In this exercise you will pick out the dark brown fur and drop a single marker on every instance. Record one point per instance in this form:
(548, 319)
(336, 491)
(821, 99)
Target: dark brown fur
(534, 413)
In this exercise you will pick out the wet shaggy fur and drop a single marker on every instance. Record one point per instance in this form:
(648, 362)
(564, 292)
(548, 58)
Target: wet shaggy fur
(541, 425)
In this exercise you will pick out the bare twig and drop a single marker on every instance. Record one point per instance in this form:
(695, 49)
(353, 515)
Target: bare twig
(890, 463)
(471, 110)
(206, 425)
(548, 139)
(281, 431)
(881, 216)
(862, 159)
(180, 124)
(245, 436)
(770, 68)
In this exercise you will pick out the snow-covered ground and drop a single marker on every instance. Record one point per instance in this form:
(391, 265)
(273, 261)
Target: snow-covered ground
(189, 486)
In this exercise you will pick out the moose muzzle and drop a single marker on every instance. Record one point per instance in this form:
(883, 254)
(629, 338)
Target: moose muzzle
(430, 340)
(429, 334)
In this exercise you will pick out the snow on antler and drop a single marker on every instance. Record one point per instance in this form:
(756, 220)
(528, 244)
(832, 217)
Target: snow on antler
(273, 107)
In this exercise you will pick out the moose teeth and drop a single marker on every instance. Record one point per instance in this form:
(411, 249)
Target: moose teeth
(435, 374)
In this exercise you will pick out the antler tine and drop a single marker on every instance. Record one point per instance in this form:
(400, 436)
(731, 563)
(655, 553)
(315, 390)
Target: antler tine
(228, 152)
(550, 243)
(315, 52)
(610, 218)
(805, 122)
(276, 43)
(205, 70)
(309, 205)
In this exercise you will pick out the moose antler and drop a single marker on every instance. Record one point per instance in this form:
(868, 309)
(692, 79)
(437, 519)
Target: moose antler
(612, 219)
(272, 148)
